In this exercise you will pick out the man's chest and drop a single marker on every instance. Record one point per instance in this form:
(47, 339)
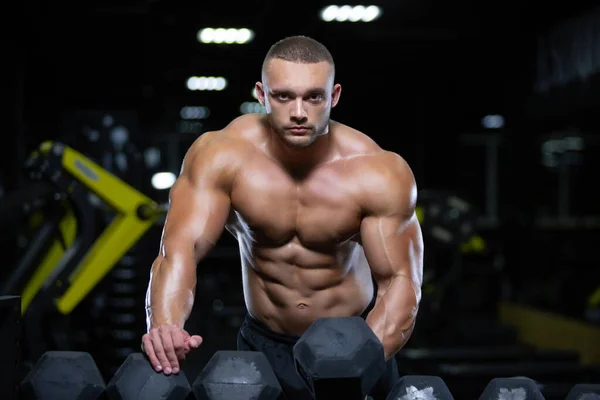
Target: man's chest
(320, 209)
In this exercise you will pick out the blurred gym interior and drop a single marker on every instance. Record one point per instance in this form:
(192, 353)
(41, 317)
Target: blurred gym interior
(493, 105)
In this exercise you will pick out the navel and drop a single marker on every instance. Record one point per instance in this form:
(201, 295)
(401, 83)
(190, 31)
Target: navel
(302, 306)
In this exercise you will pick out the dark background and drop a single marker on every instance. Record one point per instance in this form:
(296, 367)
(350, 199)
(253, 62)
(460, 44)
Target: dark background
(419, 80)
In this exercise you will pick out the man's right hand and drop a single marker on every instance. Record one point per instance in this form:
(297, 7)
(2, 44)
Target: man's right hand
(166, 345)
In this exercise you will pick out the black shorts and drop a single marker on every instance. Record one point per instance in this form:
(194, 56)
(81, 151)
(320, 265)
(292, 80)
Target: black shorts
(277, 347)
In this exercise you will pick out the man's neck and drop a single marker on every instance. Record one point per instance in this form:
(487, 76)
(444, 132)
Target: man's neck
(301, 160)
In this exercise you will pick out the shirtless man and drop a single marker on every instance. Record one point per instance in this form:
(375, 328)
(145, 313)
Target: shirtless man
(325, 221)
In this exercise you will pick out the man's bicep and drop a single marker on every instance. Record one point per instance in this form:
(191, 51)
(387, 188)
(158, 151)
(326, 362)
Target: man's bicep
(393, 246)
(390, 232)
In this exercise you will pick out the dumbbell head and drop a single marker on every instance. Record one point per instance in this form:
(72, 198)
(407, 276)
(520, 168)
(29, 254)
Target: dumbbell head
(237, 375)
(584, 391)
(63, 375)
(511, 388)
(136, 379)
(340, 354)
(420, 387)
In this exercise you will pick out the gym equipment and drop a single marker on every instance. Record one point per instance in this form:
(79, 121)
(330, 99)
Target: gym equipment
(459, 264)
(66, 259)
(136, 379)
(534, 324)
(242, 375)
(237, 375)
(538, 370)
(70, 275)
(418, 387)
(487, 354)
(593, 300)
(584, 392)
(428, 360)
(63, 375)
(464, 379)
(10, 361)
(119, 319)
(473, 330)
(341, 356)
(449, 220)
(511, 388)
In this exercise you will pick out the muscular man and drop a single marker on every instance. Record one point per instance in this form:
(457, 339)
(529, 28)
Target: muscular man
(324, 217)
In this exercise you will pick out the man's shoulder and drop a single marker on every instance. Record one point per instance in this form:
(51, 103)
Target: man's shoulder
(235, 140)
(221, 153)
(353, 142)
(369, 155)
(387, 184)
(385, 167)
(359, 145)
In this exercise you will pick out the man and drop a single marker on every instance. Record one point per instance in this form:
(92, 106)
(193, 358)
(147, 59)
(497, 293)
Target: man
(325, 220)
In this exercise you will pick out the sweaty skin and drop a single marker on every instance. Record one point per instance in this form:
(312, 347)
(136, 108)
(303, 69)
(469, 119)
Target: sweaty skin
(311, 239)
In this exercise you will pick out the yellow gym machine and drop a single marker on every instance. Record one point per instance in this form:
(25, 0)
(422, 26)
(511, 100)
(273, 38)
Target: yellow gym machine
(66, 257)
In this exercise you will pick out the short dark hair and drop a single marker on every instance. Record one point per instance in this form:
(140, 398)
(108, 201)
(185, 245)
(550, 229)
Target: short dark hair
(299, 49)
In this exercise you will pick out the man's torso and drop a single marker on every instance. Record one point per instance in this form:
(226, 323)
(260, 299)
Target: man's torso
(299, 236)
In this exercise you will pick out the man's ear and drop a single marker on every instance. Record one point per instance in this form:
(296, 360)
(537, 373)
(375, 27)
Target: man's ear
(335, 94)
(260, 93)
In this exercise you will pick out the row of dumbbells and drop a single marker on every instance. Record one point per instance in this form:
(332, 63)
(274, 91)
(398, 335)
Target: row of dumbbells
(336, 357)
(74, 375)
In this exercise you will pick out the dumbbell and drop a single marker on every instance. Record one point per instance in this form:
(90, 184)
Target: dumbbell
(237, 375)
(241, 375)
(231, 375)
(340, 356)
(520, 388)
(420, 387)
(70, 375)
(512, 388)
(63, 375)
(136, 379)
(584, 391)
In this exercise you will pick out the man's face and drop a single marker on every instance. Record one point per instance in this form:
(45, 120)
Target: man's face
(298, 99)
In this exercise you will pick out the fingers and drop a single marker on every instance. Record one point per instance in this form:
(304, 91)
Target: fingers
(166, 345)
(178, 336)
(159, 350)
(195, 341)
(149, 350)
(166, 335)
(192, 342)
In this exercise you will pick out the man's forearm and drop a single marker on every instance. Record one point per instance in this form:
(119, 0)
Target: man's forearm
(170, 295)
(393, 317)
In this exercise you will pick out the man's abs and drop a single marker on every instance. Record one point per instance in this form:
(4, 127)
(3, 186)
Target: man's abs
(298, 239)
(287, 297)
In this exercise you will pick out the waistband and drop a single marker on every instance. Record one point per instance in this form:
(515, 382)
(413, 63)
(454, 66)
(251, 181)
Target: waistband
(259, 327)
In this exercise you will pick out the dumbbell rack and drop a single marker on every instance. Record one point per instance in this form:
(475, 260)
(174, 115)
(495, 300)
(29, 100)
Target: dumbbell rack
(122, 320)
(71, 375)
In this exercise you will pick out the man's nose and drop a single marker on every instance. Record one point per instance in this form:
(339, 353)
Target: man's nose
(298, 110)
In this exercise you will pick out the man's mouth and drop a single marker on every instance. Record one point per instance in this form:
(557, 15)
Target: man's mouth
(298, 129)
